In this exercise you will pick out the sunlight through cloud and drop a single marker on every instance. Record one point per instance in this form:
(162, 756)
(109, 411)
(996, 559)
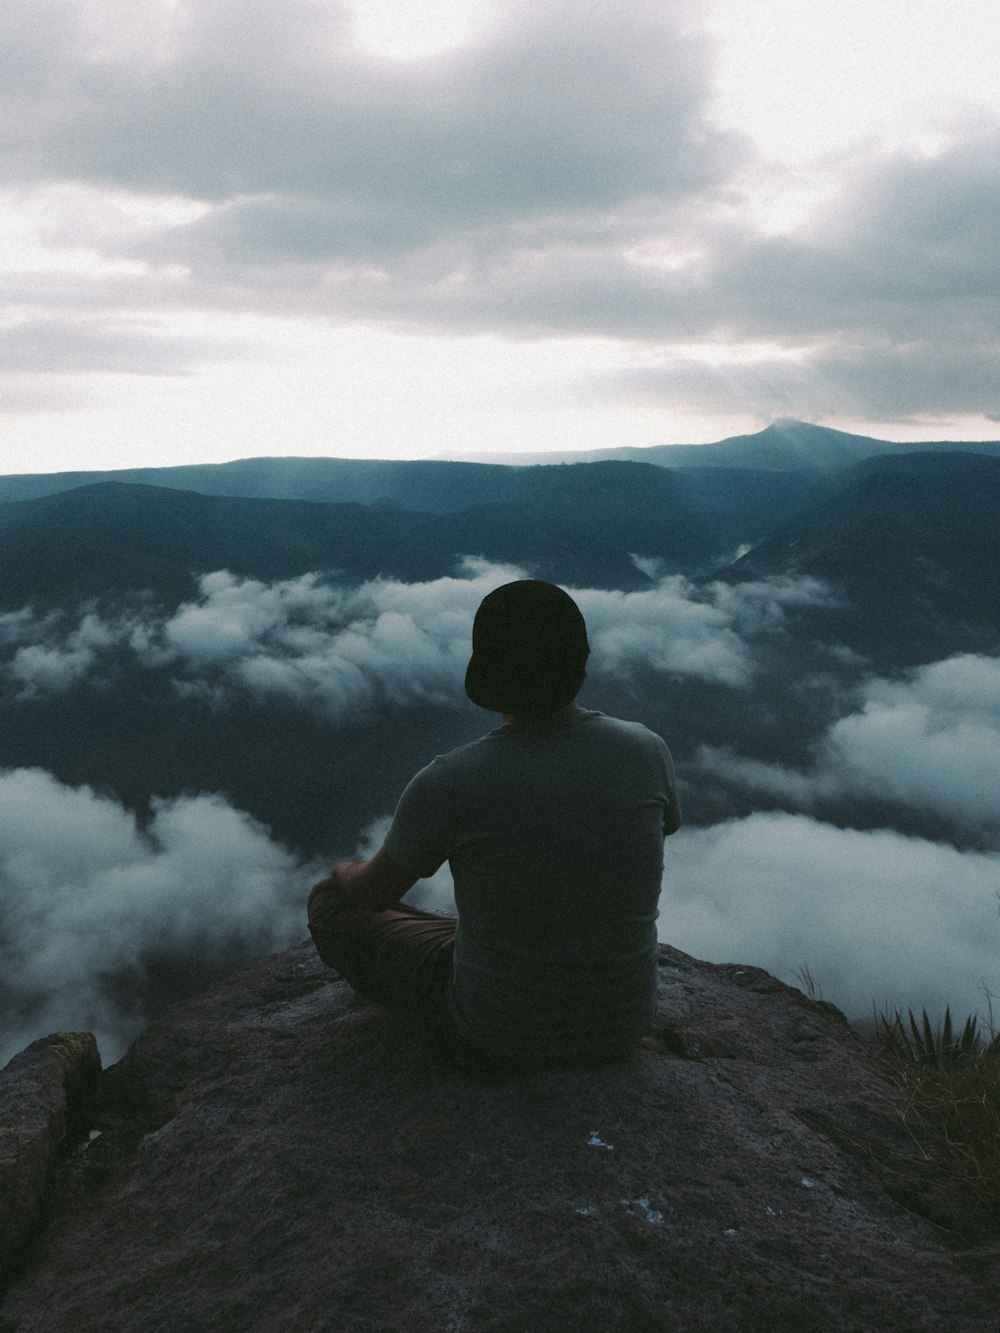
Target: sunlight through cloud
(416, 31)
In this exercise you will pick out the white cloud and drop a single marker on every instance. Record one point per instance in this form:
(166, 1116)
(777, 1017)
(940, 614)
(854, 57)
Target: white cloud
(666, 629)
(679, 629)
(311, 146)
(49, 667)
(89, 902)
(336, 649)
(408, 643)
(880, 306)
(50, 670)
(759, 606)
(16, 625)
(339, 649)
(233, 617)
(931, 741)
(74, 344)
(91, 906)
(928, 742)
(879, 919)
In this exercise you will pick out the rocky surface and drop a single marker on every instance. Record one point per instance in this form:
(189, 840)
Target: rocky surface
(279, 1155)
(38, 1091)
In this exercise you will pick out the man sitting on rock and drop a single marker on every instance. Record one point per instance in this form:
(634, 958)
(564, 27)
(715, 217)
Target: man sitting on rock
(553, 827)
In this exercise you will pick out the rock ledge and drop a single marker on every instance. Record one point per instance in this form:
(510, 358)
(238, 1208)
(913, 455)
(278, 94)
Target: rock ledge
(278, 1155)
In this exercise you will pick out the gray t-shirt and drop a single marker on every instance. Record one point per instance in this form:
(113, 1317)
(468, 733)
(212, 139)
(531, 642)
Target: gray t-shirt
(554, 834)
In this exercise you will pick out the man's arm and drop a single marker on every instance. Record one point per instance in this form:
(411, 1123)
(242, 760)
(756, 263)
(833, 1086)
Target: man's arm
(672, 816)
(371, 885)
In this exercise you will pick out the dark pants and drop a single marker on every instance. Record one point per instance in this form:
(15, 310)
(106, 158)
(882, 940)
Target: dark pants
(401, 958)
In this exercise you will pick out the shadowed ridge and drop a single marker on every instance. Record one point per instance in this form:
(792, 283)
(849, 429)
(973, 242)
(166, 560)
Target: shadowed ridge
(463, 479)
(574, 526)
(909, 543)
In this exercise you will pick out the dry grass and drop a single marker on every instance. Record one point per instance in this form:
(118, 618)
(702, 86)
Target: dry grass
(951, 1081)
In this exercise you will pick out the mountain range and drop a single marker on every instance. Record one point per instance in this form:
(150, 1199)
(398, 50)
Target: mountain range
(908, 537)
(784, 445)
(440, 486)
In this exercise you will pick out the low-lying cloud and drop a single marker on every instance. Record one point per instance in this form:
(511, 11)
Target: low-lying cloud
(103, 921)
(48, 668)
(339, 649)
(879, 919)
(932, 741)
(928, 742)
(97, 914)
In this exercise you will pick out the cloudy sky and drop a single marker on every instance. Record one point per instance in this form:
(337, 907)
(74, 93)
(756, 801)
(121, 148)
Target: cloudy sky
(373, 228)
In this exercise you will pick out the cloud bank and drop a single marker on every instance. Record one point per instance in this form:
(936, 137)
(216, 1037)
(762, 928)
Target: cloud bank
(103, 922)
(97, 915)
(879, 919)
(338, 649)
(927, 742)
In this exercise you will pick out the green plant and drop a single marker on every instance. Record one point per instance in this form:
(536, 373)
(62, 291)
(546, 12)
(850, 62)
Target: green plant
(950, 1080)
(939, 1046)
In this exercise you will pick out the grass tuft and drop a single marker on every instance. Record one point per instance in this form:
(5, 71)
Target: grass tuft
(950, 1078)
(807, 981)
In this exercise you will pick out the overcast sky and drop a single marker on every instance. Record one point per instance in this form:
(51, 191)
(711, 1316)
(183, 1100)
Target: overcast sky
(377, 228)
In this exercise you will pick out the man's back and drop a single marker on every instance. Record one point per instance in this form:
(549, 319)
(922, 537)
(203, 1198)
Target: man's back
(553, 826)
(554, 834)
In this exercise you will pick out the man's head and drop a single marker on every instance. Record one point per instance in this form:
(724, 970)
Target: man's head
(529, 650)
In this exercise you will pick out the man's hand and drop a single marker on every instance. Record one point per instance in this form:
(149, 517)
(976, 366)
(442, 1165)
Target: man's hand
(370, 885)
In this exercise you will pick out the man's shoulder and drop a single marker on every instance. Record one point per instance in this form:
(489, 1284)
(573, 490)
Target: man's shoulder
(505, 745)
(464, 757)
(618, 728)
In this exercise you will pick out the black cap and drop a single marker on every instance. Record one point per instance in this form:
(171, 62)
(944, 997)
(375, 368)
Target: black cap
(529, 649)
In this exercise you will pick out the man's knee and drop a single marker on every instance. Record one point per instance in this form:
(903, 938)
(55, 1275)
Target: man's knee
(330, 917)
(325, 899)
